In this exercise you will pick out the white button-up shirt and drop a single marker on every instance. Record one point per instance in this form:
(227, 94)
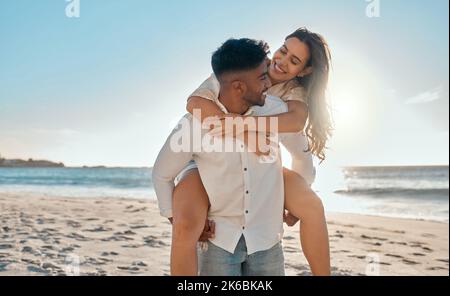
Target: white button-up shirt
(246, 195)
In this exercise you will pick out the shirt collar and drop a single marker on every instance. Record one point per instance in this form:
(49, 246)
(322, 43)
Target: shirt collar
(224, 109)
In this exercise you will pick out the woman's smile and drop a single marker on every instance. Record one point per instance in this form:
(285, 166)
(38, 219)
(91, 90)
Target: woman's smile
(278, 69)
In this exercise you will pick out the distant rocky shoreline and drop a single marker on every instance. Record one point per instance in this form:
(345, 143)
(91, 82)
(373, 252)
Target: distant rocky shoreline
(30, 163)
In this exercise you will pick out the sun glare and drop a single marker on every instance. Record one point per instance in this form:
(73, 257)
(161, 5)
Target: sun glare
(346, 107)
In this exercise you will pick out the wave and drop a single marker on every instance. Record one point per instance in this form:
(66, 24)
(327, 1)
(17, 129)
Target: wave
(421, 193)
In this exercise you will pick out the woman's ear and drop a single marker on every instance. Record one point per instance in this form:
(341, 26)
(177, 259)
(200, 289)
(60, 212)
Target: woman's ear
(305, 72)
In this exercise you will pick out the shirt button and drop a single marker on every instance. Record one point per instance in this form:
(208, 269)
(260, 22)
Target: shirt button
(246, 212)
(245, 169)
(243, 227)
(246, 192)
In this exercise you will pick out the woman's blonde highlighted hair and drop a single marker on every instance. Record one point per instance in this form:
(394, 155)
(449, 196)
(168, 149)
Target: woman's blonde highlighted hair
(319, 125)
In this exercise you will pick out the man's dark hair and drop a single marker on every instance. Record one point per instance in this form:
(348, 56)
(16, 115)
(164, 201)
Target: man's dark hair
(239, 55)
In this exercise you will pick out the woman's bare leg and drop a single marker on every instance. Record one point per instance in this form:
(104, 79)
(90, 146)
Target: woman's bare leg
(302, 202)
(190, 209)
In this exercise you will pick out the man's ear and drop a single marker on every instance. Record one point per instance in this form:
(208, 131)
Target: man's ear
(305, 72)
(239, 87)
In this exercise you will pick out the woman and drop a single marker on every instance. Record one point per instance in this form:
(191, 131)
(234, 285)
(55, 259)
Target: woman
(299, 75)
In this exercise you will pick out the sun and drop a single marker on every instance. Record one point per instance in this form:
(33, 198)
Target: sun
(347, 108)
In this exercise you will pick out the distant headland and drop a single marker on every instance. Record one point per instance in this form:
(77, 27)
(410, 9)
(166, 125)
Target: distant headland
(30, 163)
(33, 163)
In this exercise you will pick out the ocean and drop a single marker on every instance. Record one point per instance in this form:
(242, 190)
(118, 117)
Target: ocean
(417, 192)
(79, 182)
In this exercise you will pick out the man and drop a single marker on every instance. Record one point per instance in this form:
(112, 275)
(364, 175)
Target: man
(246, 195)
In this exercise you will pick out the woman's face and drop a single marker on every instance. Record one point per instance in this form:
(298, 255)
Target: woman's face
(290, 61)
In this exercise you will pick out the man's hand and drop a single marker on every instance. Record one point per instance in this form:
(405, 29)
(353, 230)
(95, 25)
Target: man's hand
(290, 219)
(209, 231)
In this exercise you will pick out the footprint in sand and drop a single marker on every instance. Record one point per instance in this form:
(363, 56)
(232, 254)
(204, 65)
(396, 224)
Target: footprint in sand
(45, 221)
(377, 244)
(77, 237)
(31, 261)
(132, 246)
(6, 246)
(73, 224)
(128, 268)
(137, 210)
(95, 261)
(399, 231)
(373, 238)
(420, 245)
(410, 262)
(27, 249)
(140, 263)
(151, 241)
(341, 251)
(32, 268)
(127, 232)
(394, 256)
(117, 238)
(139, 226)
(105, 260)
(109, 254)
(437, 268)
(6, 229)
(91, 219)
(98, 229)
(67, 249)
(362, 257)
(398, 243)
(47, 247)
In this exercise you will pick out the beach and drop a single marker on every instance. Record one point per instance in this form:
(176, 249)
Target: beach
(43, 235)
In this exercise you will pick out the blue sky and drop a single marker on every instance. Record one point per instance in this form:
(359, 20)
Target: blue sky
(107, 88)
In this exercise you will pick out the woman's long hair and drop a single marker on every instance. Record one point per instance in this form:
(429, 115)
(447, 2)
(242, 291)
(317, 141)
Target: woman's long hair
(319, 125)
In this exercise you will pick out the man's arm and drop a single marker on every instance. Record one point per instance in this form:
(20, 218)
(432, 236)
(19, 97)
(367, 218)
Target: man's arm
(168, 165)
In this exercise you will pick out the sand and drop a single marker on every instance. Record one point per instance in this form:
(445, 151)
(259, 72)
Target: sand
(45, 235)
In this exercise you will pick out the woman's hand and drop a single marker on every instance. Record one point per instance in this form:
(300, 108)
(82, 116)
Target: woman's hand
(222, 129)
(290, 219)
(209, 231)
(255, 142)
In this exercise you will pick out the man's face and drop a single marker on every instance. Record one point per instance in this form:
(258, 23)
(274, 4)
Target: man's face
(257, 82)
